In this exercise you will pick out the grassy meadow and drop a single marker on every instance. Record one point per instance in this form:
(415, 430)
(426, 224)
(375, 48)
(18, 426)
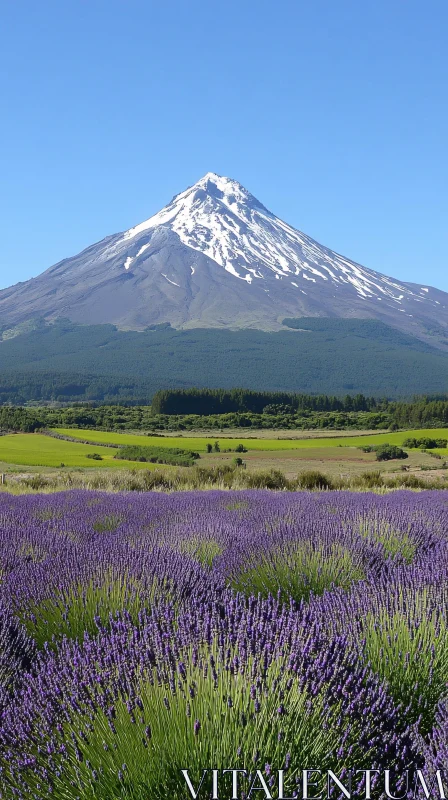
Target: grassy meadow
(38, 450)
(332, 461)
(253, 442)
(338, 457)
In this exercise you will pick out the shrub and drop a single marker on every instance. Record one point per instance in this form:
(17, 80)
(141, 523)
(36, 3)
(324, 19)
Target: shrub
(81, 609)
(426, 443)
(312, 479)
(211, 476)
(274, 479)
(369, 480)
(388, 452)
(16, 649)
(411, 443)
(407, 645)
(37, 482)
(158, 455)
(94, 456)
(409, 482)
(298, 570)
(131, 737)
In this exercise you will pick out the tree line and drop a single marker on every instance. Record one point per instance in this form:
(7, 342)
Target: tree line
(293, 415)
(423, 413)
(222, 401)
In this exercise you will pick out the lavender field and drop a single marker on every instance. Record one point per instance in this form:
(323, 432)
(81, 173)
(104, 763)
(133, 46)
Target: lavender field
(143, 634)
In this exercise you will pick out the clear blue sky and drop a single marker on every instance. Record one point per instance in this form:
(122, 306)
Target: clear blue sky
(334, 113)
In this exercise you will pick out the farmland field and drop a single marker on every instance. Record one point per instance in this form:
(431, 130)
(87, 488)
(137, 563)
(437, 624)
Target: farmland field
(252, 443)
(336, 456)
(254, 630)
(31, 449)
(333, 461)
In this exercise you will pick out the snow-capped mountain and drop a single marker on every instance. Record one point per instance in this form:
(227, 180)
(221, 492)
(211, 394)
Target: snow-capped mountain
(216, 257)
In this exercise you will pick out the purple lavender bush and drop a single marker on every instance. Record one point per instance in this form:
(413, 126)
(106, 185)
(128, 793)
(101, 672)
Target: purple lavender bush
(16, 651)
(140, 634)
(121, 714)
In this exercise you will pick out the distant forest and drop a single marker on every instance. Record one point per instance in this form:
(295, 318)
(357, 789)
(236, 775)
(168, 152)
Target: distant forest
(220, 401)
(66, 363)
(35, 387)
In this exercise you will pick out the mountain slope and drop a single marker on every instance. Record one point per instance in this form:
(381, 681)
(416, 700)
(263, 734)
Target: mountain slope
(327, 356)
(216, 257)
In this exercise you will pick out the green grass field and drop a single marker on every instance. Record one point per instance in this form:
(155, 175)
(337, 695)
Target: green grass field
(38, 450)
(32, 449)
(199, 443)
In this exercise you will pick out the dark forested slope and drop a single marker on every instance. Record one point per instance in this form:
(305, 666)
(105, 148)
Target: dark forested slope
(326, 356)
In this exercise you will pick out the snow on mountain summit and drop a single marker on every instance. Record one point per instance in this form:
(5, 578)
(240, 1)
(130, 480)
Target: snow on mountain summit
(220, 218)
(212, 216)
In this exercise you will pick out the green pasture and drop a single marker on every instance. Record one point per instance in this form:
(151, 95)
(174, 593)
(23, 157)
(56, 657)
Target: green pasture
(36, 450)
(199, 443)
